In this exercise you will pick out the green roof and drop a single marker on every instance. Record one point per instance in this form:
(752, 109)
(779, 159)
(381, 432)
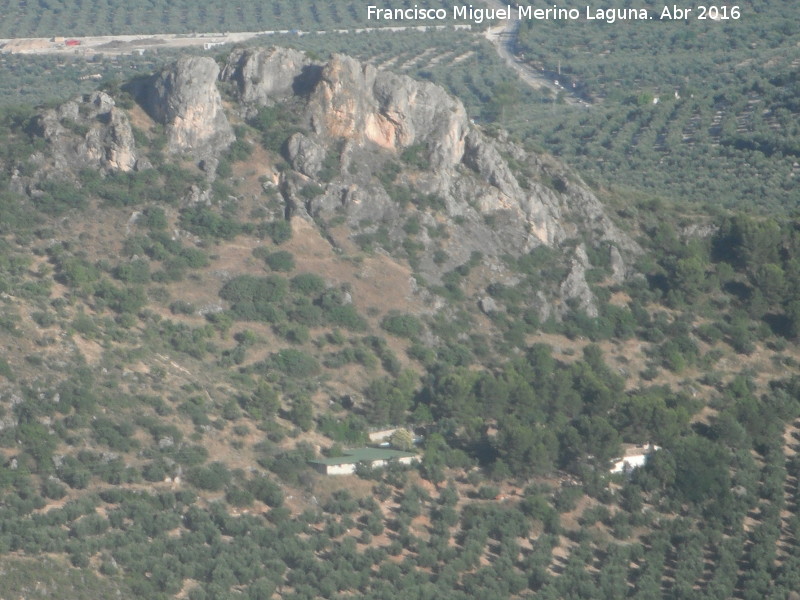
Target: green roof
(357, 455)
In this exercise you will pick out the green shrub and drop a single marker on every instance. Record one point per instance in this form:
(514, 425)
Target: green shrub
(412, 226)
(74, 474)
(203, 221)
(77, 273)
(307, 284)
(248, 288)
(155, 218)
(59, 197)
(415, 156)
(488, 492)
(311, 191)
(135, 271)
(6, 371)
(346, 316)
(295, 363)
(181, 307)
(252, 298)
(296, 333)
(239, 497)
(121, 300)
(267, 491)
(154, 471)
(277, 124)
(402, 325)
(350, 430)
(53, 490)
(211, 478)
(278, 231)
(193, 258)
(191, 455)
(302, 413)
(306, 313)
(262, 403)
(116, 436)
(280, 261)
(290, 464)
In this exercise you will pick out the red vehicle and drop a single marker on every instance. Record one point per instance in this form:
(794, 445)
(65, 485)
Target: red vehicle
(72, 43)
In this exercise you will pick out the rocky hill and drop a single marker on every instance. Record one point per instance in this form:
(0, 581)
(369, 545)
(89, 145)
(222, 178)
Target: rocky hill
(363, 146)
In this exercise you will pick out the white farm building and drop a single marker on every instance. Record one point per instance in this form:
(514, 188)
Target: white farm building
(373, 457)
(635, 457)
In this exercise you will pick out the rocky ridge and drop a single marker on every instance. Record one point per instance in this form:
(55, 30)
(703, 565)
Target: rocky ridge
(356, 123)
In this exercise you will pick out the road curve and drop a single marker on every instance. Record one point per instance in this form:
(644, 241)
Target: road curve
(503, 36)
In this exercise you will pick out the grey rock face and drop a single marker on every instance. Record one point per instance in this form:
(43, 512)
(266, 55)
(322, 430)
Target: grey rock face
(266, 74)
(618, 268)
(358, 102)
(536, 209)
(89, 133)
(488, 305)
(305, 154)
(482, 156)
(184, 97)
(575, 288)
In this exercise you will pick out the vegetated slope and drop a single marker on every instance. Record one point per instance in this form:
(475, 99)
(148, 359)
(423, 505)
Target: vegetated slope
(206, 283)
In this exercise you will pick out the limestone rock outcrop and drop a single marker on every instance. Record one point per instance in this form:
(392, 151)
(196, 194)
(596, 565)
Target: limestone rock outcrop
(575, 289)
(184, 97)
(305, 154)
(88, 133)
(370, 149)
(261, 76)
(358, 102)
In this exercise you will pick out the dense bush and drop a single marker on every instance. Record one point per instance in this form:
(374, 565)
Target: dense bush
(265, 490)
(214, 477)
(278, 231)
(280, 261)
(294, 363)
(407, 326)
(308, 284)
(206, 222)
(254, 298)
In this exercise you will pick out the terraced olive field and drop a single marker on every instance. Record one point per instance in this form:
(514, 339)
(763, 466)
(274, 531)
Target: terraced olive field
(696, 110)
(109, 17)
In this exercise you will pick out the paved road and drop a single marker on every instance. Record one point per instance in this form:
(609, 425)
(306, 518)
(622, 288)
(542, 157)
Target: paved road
(504, 36)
